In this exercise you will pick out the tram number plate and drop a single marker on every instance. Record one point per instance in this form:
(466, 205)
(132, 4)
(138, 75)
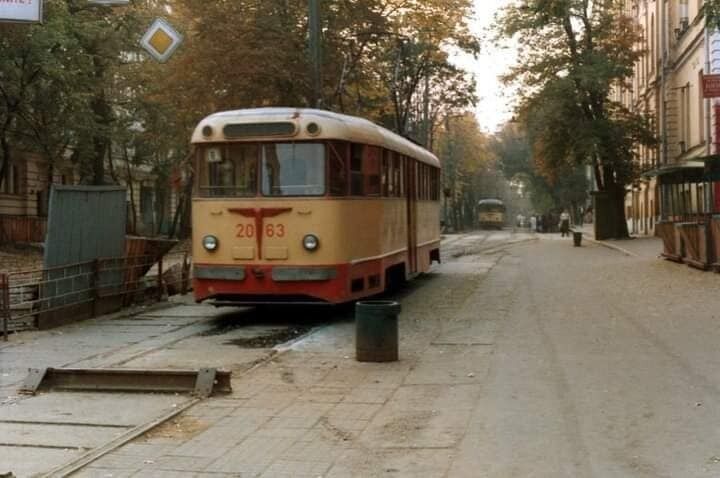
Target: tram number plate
(269, 230)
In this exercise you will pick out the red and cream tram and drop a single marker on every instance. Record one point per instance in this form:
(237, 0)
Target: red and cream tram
(307, 206)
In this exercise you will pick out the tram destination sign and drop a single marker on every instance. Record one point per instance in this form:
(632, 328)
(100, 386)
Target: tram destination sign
(28, 11)
(711, 86)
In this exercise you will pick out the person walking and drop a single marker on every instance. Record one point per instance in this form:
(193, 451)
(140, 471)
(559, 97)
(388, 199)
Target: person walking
(564, 224)
(533, 223)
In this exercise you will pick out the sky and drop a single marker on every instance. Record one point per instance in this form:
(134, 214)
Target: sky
(495, 106)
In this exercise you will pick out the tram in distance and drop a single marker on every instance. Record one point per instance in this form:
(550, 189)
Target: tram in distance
(306, 206)
(491, 213)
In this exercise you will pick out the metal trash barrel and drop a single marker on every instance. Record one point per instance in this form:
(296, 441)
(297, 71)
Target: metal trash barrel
(376, 331)
(577, 238)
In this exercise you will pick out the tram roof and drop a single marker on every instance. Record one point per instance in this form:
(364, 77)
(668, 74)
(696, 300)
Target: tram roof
(332, 126)
(491, 202)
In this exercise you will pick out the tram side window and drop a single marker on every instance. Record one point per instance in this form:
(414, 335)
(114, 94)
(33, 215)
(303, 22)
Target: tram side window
(392, 174)
(435, 184)
(371, 170)
(339, 167)
(385, 172)
(428, 180)
(356, 170)
(401, 164)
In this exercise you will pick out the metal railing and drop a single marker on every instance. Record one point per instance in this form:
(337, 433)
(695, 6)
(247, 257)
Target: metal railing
(101, 285)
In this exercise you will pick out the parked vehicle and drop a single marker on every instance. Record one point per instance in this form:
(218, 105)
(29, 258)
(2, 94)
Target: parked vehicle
(307, 206)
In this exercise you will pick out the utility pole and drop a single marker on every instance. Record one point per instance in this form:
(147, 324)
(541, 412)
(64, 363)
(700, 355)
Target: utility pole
(315, 56)
(426, 111)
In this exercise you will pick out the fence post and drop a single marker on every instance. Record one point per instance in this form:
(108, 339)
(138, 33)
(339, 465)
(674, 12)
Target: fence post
(5, 305)
(185, 275)
(94, 285)
(160, 280)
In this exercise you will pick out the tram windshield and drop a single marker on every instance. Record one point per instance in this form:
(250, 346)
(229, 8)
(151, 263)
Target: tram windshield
(286, 169)
(293, 169)
(491, 205)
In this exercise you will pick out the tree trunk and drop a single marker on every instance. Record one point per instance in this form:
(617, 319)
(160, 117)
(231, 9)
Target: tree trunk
(6, 158)
(609, 208)
(131, 186)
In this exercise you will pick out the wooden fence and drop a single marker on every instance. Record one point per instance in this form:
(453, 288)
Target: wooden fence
(22, 228)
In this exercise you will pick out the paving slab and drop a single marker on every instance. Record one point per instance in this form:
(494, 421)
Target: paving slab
(28, 461)
(113, 409)
(54, 436)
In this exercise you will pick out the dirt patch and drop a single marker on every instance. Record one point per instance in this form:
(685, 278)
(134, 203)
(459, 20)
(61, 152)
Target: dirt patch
(406, 425)
(270, 338)
(180, 428)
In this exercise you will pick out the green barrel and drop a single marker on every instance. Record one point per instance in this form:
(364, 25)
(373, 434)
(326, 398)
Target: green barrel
(376, 331)
(577, 239)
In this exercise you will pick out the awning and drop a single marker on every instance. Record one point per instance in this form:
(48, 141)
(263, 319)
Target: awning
(679, 173)
(675, 168)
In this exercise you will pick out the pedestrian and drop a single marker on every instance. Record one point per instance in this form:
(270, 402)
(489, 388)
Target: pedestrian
(533, 223)
(564, 224)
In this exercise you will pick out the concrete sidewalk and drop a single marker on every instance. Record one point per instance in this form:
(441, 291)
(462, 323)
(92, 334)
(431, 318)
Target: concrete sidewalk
(315, 411)
(647, 247)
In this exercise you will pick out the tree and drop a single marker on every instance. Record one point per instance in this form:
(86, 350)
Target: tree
(57, 82)
(466, 160)
(711, 9)
(573, 53)
(566, 190)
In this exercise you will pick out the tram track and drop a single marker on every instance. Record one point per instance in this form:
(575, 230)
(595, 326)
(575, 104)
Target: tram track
(93, 455)
(148, 351)
(57, 419)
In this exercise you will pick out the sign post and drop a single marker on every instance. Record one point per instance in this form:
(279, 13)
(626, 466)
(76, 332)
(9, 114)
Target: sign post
(26, 11)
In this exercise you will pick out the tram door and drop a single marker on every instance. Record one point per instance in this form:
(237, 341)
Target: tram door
(410, 190)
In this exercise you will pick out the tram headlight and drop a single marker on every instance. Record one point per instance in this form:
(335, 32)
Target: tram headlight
(311, 242)
(210, 243)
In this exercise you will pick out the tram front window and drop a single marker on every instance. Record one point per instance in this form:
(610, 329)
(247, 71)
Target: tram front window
(229, 170)
(293, 169)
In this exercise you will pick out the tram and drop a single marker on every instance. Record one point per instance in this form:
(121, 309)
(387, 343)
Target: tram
(306, 206)
(491, 213)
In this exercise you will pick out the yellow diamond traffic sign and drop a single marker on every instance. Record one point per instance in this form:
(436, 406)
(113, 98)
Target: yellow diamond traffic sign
(161, 40)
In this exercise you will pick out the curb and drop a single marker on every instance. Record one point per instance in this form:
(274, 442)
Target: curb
(610, 246)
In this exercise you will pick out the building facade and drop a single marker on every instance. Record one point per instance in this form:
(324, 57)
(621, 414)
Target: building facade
(25, 192)
(678, 51)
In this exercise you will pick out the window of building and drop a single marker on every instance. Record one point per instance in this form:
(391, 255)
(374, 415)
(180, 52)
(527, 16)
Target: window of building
(11, 182)
(701, 109)
(653, 58)
(684, 136)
